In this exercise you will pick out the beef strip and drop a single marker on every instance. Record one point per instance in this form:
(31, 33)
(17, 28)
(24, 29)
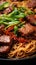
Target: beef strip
(31, 3)
(5, 40)
(1, 29)
(7, 10)
(27, 29)
(4, 49)
(31, 19)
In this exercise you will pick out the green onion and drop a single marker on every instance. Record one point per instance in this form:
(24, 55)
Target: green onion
(21, 24)
(21, 15)
(12, 18)
(15, 29)
(30, 12)
(12, 24)
(13, 13)
(4, 5)
(22, 9)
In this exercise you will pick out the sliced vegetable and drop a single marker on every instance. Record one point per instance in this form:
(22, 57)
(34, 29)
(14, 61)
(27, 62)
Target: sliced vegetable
(15, 29)
(21, 24)
(12, 24)
(4, 5)
(22, 9)
(21, 15)
(30, 12)
(13, 13)
(12, 18)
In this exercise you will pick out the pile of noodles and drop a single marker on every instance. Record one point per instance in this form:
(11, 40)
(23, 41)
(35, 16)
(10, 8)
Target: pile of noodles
(21, 50)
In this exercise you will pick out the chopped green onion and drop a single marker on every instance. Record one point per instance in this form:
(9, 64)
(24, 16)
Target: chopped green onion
(21, 15)
(30, 12)
(12, 24)
(4, 5)
(15, 29)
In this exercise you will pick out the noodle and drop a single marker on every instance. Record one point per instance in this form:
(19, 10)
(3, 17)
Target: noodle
(19, 51)
(30, 47)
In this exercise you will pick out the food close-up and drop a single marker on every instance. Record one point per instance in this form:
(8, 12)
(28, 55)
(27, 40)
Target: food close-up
(17, 29)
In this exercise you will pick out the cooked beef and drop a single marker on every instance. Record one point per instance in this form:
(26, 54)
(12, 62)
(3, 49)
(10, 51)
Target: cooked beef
(34, 34)
(5, 40)
(13, 0)
(31, 19)
(27, 29)
(1, 29)
(35, 28)
(31, 3)
(31, 36)
(16, 0)
(2, 1)
(4, 49)
(8, 10)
